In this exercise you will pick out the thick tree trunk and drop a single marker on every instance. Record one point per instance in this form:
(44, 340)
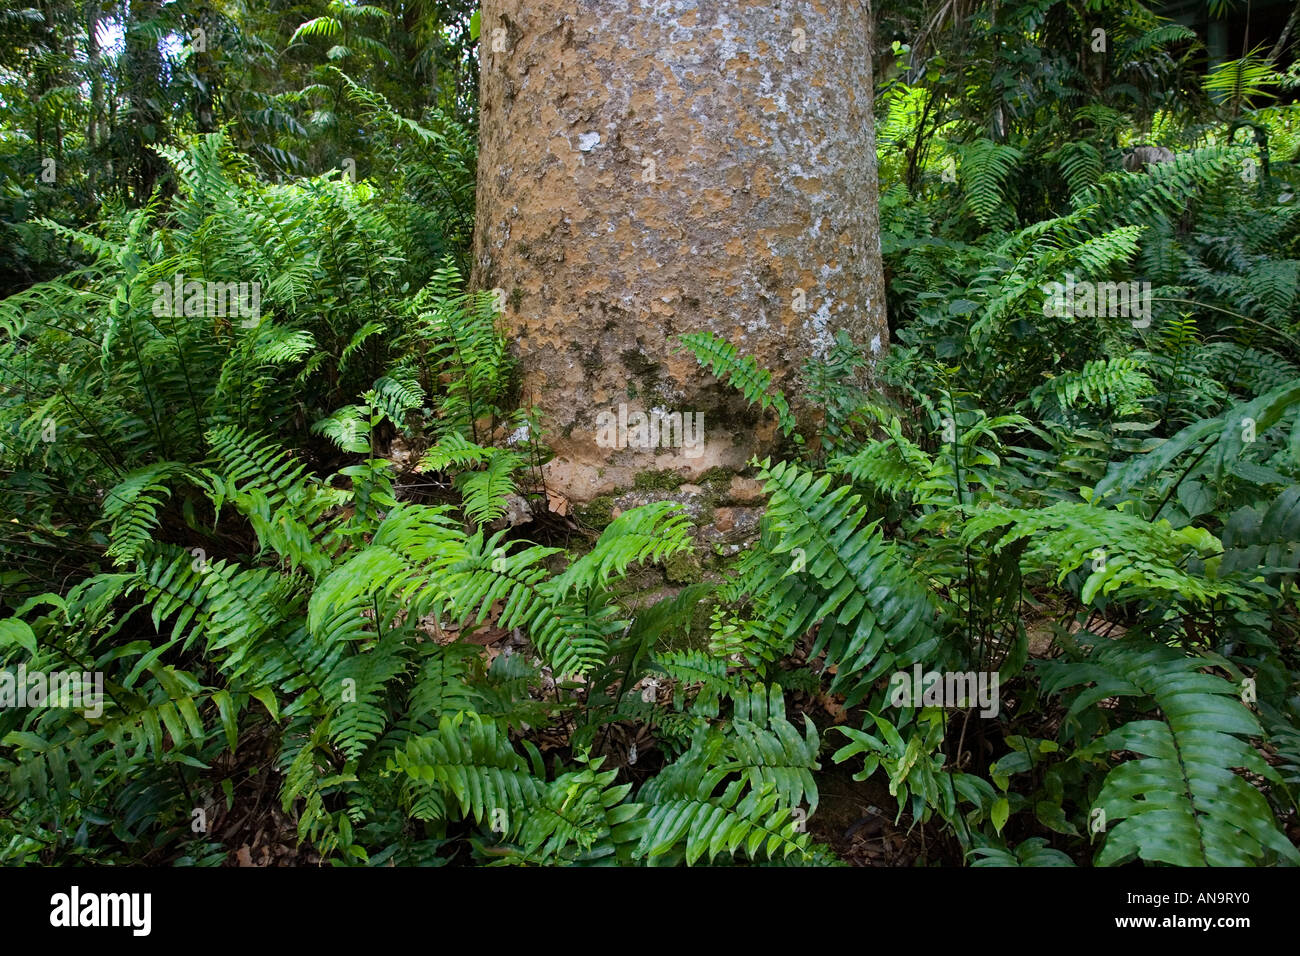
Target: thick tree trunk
(649, 169)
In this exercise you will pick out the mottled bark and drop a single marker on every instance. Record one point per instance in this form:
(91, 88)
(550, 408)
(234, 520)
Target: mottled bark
(648, 169)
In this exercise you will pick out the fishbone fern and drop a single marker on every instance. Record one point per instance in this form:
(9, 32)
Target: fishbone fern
(1180, 801)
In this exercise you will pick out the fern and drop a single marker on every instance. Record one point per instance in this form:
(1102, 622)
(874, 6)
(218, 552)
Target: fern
(985, 168)
(462, 331)
(1242, 80)
(687, 814)
(1127, 556)
(741, 372)
(896, 466)
(1032, 852)
(348, 428)
(131, 509)
(823, 563)
(913, 765)
(567, 637)
(1179, 801)
(397, 397)
(583, 818)
(485, 492)
(473, 763)
(1081, 166)
(650, 533)
(1117, 382)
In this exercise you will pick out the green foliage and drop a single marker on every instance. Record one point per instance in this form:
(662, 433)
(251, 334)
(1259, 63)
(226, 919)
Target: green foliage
(1033, 852)
(131, 508)
(485, 492)
(325, 628)
(741, 372)
(978, 523)
(1131, 503)
(651, 533)
(735, 788)
(823, 563)
(460, 331)
(472, 761)
(985, 168)
(1117, 383)
(304, 538)
(1180, 801)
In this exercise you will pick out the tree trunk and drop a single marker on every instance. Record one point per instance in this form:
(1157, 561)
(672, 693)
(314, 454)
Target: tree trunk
(96, 69)
(652, 169)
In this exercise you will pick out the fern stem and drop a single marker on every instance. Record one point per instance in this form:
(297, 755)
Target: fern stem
(148, 394)
(1174, 487)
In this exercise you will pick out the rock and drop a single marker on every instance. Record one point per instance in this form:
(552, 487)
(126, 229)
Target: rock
(517, 512)
(683, 568)
(731, 530)
(577, 482)
(693, 504)
(400, 453)
(744, 490)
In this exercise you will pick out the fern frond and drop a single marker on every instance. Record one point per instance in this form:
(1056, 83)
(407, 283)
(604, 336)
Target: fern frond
(131, 509)
(985, 168)
(1180, 801)
(649, 533)
(763, 769)
(473, 762)
(822, 562)
(348, 428)
(691, 667)
(895, 465)
(567, 637)
(741, 372)
(1117, 382)
(583, 818)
